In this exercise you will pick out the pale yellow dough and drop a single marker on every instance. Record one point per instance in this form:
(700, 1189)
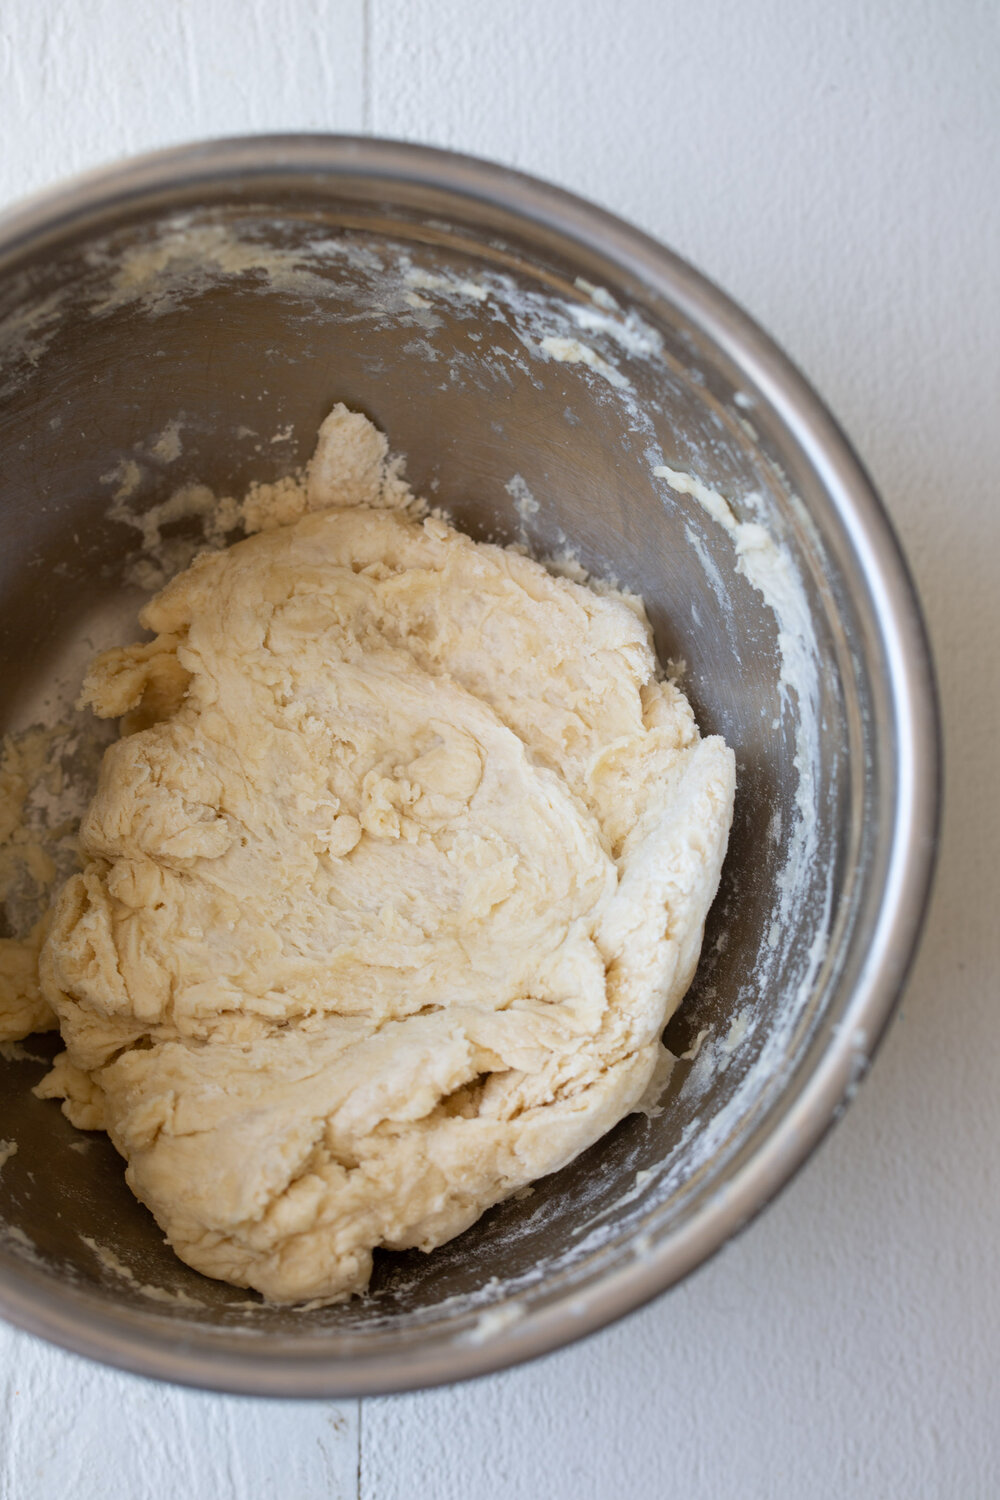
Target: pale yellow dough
(389, 888)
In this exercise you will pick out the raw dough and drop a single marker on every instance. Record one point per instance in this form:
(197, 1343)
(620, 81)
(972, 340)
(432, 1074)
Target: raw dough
(389, 888)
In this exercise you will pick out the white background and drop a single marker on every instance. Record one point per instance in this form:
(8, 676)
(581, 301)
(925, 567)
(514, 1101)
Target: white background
(835, 167)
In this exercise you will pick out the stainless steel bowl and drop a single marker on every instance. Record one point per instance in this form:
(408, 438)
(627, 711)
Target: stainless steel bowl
(514, 342)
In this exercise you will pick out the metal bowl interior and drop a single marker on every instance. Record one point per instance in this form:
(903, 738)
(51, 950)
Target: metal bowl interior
(536, 362)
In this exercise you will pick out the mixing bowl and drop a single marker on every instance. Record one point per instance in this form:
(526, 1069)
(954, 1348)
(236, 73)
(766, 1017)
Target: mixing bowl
(552, 378)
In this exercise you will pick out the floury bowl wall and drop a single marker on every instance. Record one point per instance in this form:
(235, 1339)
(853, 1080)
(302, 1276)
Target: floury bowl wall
(551, 378)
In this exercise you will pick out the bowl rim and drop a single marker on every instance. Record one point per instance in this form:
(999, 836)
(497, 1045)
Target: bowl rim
(797, 1123)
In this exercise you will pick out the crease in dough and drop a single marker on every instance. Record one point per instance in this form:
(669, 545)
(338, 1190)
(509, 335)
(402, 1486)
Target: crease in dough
(388, 889)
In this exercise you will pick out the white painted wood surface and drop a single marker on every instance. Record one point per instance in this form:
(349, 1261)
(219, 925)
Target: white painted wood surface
(835, 166)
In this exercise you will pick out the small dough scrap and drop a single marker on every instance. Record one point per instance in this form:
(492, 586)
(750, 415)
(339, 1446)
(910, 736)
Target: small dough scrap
(23, 1008)
(24, 761)
(388, 890)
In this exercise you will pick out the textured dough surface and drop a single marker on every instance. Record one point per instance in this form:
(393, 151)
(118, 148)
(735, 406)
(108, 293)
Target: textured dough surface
(388, 889)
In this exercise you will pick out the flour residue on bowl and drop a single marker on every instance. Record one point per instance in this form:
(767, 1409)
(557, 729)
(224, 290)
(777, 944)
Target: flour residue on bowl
(768, 567)
(117, 1267)
(47, 777)
(574, 352)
